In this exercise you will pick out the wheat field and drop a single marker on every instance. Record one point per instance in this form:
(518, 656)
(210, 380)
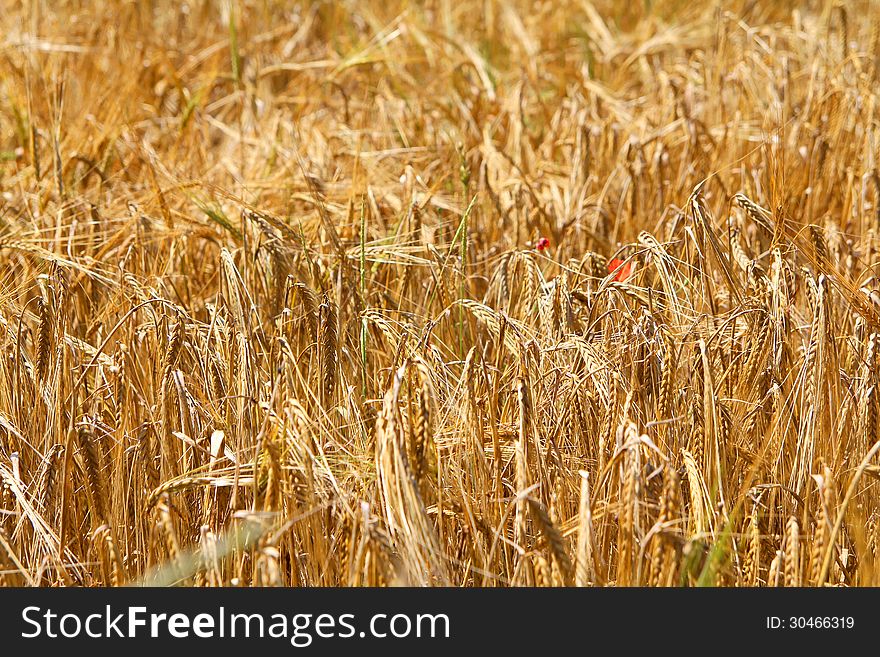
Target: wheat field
(474, 293)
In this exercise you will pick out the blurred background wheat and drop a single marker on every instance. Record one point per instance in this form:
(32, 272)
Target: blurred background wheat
(477, 293)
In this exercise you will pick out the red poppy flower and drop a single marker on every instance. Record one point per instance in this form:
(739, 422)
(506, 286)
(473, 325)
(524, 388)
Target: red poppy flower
(542, 244)
(624, 272)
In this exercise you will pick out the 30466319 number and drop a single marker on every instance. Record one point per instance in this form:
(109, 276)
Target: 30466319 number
(810, 623)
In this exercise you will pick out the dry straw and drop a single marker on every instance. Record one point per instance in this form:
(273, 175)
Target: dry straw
(585, 295)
